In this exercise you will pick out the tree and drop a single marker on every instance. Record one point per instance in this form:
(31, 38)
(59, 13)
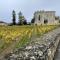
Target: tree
(14, 17)
(25, 22)
(21, 19)
(33, 20)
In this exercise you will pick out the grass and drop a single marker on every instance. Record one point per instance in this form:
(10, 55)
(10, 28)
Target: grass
(8, 34)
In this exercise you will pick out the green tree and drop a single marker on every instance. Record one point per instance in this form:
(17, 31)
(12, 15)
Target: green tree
(25, 22)
(13, 17)
(21, 19)
(33, 20)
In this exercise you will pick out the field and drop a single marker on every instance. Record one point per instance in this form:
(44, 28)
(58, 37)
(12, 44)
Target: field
(18, 36)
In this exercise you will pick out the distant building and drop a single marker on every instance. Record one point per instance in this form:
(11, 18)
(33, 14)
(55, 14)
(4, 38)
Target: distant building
(3, 23)
(46, 17)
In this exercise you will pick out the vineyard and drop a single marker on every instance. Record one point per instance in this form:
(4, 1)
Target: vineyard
(20, 35)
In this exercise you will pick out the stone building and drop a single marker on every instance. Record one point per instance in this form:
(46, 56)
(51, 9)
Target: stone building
(45, 17)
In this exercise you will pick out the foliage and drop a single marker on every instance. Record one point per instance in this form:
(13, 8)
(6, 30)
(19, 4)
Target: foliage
(33, 20)
(25, 22)
(22, 19)
(14, 17)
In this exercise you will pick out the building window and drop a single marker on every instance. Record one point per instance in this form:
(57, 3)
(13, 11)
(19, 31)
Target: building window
(39, 18)
(56, 18)
(45, 21)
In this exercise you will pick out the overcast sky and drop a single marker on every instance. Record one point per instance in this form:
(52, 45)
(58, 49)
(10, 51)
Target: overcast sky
(27, 7)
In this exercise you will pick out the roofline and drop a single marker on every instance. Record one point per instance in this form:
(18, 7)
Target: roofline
(42, 11)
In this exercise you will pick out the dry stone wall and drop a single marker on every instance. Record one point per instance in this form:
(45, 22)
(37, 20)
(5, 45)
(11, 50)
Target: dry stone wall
(41, 48)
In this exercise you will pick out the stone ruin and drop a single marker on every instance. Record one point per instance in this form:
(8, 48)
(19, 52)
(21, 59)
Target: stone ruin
(32, 52)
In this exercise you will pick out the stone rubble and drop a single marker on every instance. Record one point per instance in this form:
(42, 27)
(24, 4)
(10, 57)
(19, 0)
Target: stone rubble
(35, 52)
(38, 49)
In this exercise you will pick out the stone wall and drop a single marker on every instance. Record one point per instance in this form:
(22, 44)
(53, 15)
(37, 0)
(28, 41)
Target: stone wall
(40, 48)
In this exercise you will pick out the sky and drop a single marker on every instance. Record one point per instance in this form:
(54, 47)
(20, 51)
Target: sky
(27, 7)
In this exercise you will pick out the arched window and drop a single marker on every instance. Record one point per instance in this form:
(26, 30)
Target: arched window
(39, 18)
